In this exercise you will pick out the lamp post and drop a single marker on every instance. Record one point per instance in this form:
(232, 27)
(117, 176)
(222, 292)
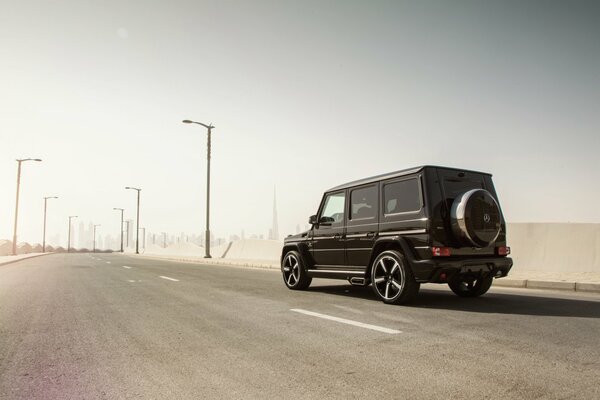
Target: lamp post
(210, 127)
(19, 161)
(95, 226)
(69, 237)
(121, 209)
(137, 224)
(164, 239)
(45, 207)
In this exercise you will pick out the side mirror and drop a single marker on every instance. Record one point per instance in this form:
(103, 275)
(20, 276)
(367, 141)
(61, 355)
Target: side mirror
(312, 220)
(326, 221)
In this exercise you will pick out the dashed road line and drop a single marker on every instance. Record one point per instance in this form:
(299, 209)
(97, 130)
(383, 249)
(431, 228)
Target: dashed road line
(347, 321)
(108, 262)
(126, 267)
(169, 279)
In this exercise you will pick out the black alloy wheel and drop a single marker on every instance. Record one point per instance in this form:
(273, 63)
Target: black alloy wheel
(293, 272)
(393, 281)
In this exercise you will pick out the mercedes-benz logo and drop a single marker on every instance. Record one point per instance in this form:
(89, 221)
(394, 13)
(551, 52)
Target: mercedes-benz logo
(486, 217)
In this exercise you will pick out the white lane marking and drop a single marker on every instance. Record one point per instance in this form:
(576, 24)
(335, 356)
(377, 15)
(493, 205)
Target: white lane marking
(108, 262)
(170, 279)
(129, 280)
(347, 321)
(125, 266)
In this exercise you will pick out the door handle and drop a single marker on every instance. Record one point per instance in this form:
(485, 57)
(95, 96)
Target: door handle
(337, 236)
(370, 234)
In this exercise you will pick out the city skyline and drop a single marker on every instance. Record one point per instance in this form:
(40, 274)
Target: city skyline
(82, 238)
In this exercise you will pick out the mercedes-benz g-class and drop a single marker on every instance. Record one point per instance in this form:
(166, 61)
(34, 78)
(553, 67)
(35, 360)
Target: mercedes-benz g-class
(398, 230)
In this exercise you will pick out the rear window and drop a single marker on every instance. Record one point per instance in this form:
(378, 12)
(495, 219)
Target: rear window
(454, 187)
(400, 197)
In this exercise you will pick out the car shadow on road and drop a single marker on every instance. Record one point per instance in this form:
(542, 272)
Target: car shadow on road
(491, 303)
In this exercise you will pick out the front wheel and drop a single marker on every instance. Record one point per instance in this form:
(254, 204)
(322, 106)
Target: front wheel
(471, 287)
(392, 278)
(294, 274)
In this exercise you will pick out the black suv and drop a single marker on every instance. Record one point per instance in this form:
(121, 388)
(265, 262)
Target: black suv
(395, 231)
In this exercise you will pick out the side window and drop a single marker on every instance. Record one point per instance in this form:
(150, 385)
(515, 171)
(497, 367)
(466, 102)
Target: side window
(334, 208)
(401, 197)
(363, 203)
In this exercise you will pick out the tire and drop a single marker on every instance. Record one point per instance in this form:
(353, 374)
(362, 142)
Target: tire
(468, 287)
(475, 218)
(392, 279)
(294, 274)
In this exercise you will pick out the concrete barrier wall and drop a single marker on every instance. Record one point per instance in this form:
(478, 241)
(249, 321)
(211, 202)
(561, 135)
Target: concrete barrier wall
(552, 247)
(248, 249)
(558, 247)
(254, 249)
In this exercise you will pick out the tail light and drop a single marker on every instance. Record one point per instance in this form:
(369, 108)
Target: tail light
(503, 250)
(440, 251)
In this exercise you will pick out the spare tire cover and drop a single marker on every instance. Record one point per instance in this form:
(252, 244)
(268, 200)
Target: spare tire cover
(475, 218)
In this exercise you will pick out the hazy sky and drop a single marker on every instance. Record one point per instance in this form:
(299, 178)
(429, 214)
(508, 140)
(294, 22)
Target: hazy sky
(304, 95)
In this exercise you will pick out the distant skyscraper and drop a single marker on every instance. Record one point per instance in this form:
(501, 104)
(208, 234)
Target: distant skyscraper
(81, 236)
(130, 237)
(275, 229)
(88, 237)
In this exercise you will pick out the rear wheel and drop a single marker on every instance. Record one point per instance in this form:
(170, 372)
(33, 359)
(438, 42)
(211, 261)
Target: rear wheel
(294, 274)
(393, 281)
(471, 287)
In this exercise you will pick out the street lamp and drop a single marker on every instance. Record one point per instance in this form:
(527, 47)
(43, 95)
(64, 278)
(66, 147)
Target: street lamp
(137, 231)
(14, 243)
(69, 239)
(210, 127)
(121, 209)
(164, 234)
(95, 226)
(45, 207)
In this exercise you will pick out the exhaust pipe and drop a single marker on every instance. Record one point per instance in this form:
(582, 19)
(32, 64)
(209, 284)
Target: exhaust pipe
(358, 281)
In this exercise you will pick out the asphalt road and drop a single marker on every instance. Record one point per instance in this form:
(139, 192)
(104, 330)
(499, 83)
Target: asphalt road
(82, 326)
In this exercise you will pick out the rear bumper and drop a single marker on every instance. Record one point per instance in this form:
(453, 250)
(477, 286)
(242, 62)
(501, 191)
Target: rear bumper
(443, 268)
